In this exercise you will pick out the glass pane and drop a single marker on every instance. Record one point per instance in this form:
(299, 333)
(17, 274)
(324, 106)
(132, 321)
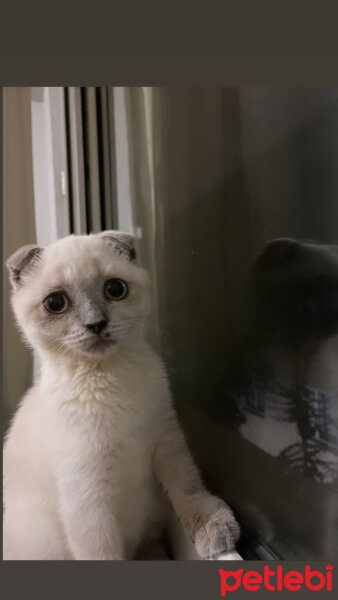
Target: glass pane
(235, 193)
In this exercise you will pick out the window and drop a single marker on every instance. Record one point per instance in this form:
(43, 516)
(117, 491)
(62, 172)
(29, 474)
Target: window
(232, 194)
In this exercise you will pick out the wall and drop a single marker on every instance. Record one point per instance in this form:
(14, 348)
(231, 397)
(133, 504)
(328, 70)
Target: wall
(18, 230)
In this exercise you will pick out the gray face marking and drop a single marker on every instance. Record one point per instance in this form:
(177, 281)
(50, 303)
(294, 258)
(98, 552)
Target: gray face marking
(91, 312)
(94, 319)
(94, 323)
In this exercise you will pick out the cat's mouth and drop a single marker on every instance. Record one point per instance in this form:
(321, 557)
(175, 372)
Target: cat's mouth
(100, 344)
(97, 345)
(94, 344)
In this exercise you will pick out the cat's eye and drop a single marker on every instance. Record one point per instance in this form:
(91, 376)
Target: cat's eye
(116, 289)
(56, 303)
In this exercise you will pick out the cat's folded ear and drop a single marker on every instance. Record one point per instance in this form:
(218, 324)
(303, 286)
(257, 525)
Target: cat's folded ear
(21, 262)
(278, 253)
(120, 241)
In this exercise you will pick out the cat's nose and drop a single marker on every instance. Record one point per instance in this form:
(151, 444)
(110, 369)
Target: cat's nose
(96, 327)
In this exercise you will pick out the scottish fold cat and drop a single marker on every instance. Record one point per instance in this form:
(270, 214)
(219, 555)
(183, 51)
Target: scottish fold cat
(94, 453)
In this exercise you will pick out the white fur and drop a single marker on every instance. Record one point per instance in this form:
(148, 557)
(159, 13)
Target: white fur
(95, 442)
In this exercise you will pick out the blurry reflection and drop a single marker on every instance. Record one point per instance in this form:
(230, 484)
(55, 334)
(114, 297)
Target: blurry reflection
(282, 390)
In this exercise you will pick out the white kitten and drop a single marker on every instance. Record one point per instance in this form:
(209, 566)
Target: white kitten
(96, 441)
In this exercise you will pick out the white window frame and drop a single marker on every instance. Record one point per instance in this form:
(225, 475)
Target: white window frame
(50, 171)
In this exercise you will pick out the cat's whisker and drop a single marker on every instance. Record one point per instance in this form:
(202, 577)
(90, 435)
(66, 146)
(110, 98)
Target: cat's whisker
(74, 335)
(162, 331)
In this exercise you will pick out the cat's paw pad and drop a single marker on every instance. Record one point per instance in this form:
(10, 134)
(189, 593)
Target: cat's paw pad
(217, 534)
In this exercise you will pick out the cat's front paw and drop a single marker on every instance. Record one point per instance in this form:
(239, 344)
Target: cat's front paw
(217, 533)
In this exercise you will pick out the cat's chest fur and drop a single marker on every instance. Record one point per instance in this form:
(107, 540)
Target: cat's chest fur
(103, 409)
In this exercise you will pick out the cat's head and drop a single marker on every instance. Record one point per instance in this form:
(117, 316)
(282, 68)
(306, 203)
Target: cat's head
(80, 295)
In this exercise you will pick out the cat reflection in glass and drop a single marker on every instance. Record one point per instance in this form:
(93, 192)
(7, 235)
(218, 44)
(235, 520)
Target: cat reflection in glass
(94, 455)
